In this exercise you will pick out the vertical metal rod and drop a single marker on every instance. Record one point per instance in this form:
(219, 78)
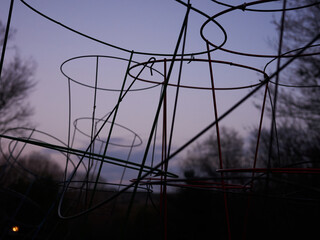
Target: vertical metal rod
(245, 225)
(164, 157)
(276, 91)
(111, 129)
(219, 143)
(156, 118)
(6, 38)
(90, 161)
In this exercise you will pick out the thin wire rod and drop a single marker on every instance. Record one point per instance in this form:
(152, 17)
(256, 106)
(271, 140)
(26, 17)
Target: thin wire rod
(177, 90)
(6, 35)
(260, 128)
(128, 157)
(274, 110)
(114, 46)
(269, 10)
(123, 173)
(18, 155)
(92, 147)
(156, 116)
(111, 129)
(246, 217)
(237, 104)
(69, 129)
(94, 109)
(164, 167)
(215, 108)
(82, 154)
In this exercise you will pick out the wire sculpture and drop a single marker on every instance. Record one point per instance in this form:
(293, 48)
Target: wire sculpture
(82, 190)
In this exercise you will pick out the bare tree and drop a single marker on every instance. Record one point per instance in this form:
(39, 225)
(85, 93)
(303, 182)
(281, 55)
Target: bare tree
(33, 166)
(292, 148)
(301, 101)
(16, 82)
(296, 138)
(296, 133)
(203, 160)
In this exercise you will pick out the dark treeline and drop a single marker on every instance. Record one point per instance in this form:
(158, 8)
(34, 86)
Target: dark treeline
(269, 204)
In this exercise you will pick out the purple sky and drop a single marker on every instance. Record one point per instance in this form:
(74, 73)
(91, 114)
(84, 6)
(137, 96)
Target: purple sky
(149, 26)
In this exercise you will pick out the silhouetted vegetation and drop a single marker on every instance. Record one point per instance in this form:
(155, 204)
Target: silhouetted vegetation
(203, 160)
(16, 83)
(29, 189)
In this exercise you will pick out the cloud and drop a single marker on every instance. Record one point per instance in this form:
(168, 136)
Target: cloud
(112, 173)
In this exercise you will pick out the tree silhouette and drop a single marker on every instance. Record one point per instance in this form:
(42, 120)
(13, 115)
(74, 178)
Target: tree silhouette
(296, 135)
(28, 189)
(292, 148)
(16, 82)
(36, 169)
(301, 102)
(203, 159)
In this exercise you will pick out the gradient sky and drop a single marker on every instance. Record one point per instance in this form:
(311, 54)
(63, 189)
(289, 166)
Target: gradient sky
(143, 25)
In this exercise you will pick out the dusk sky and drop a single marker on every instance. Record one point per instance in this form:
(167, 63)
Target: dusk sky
(142, 26)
